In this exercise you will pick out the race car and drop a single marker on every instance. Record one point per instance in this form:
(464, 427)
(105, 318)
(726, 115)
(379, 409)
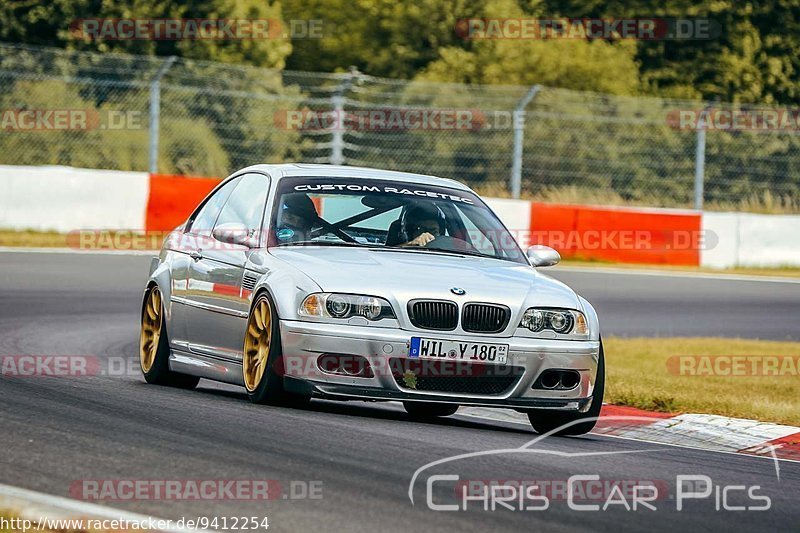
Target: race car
(302, 281)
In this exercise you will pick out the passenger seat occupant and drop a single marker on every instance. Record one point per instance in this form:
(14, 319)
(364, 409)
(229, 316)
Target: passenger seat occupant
(421, 224)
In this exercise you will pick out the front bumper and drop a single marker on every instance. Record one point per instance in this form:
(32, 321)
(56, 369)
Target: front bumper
(303, 343)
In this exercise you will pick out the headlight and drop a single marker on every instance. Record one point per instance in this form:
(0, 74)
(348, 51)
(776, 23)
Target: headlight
(328, 305)
(561, 321)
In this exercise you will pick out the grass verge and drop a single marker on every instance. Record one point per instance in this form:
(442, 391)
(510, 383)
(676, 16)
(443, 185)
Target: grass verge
(646, 373)
(152, 241)
(84, 240)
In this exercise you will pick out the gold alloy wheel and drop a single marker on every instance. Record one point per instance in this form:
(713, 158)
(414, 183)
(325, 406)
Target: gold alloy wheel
(257, 342)
(151, 329)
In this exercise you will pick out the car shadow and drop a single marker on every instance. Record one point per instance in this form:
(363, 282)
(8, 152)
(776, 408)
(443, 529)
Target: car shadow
(374, 410)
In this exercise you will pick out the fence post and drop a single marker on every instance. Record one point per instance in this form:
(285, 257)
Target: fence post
(519, 130)
(337, 141)
(155, 111)
(700, 160)
(339, 122)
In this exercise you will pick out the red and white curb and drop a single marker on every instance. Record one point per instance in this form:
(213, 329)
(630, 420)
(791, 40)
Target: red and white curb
(701, 431)
(36, 506)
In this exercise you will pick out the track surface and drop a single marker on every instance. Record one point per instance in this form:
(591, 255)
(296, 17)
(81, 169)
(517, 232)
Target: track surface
(59, 430)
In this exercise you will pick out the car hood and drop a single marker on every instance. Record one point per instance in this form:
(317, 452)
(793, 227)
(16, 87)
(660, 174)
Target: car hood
(406, 275)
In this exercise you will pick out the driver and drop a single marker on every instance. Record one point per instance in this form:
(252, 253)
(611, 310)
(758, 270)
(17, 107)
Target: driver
(421, 224)
(296, 218)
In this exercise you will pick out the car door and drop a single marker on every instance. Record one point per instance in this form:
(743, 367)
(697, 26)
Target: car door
(217, 321)
(186, 245)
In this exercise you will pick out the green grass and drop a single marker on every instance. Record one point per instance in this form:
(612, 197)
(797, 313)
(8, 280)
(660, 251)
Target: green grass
(638, 376)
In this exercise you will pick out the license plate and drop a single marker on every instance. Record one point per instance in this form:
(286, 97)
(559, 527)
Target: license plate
(458, 351)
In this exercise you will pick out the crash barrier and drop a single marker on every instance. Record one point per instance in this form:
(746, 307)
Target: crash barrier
(618, 234)
(66, 199)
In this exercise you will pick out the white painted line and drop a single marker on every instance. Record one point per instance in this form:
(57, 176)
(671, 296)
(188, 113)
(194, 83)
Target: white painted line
(673, 274)
(31, 250)
(34, 505)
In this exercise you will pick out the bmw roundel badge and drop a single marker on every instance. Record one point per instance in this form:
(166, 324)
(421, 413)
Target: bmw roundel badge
(458, 291)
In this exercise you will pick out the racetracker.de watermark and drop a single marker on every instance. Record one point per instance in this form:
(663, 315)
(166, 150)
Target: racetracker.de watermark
(56, 366)
(178, 29)
(194, 489)
(382, 119)
(639, 28)
(734, 365)
(745, 119)
(562, 240)
(43, 120)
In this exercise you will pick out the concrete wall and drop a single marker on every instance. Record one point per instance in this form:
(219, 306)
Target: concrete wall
(748, 239)
(65, 199)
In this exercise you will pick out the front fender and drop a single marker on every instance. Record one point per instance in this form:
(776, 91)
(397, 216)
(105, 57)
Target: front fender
(287, 285)
(591, 316)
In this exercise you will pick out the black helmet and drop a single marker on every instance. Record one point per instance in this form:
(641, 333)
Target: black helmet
(416, 213)
(299, 205)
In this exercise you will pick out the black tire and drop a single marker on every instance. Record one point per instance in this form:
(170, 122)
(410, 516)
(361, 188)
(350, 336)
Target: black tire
(545, 421)
(422, 410)
(159, 372)
(270, 389)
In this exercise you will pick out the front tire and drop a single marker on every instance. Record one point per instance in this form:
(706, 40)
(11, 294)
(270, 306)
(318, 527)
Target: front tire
(154, 345)
(262, 358)
(546, 421)
(423, 410)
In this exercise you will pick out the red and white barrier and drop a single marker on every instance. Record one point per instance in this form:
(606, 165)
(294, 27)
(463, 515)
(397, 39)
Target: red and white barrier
(701, 431)
(67, 199)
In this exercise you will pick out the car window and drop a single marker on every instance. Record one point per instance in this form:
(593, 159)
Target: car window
(246, 204)
(333, 211)
(202, 221)
(477, 237)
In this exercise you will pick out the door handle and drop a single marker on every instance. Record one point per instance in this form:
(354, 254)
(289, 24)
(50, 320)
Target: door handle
(197, 255)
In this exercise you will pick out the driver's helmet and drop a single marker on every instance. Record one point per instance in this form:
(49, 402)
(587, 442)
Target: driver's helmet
(420, 218)
(297, 216)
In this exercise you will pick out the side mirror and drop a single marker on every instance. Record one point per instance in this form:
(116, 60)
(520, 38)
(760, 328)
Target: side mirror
(233, 233)
(542, 256)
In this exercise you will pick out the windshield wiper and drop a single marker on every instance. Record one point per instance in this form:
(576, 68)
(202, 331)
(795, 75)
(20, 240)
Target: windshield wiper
(437, 250)
(328, 243)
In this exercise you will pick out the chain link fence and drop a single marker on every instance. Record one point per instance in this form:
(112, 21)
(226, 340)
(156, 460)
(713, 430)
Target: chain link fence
(188, 117)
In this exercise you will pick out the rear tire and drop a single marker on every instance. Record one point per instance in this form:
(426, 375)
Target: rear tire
(423, 410)
(262, 358)
(544, 421)
(154, 345)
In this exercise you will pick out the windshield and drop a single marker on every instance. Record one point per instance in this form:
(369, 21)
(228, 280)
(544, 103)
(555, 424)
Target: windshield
(388, 215)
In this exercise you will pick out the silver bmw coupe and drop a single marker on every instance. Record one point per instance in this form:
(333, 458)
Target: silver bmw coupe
(316, 281)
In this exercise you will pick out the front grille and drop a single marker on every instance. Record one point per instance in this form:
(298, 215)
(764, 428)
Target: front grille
(433, 314)
(454, 376)
(485, 318)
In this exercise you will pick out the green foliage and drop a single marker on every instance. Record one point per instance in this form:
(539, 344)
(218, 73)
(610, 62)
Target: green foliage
(574, 64)
(755, 57)
(48, 23)
(387, 38)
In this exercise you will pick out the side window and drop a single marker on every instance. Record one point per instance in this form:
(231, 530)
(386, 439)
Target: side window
(247, 202)
(203, 220)
(478, 237)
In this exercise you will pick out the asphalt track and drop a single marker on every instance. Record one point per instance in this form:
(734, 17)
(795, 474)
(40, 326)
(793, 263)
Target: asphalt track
(56, 430)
